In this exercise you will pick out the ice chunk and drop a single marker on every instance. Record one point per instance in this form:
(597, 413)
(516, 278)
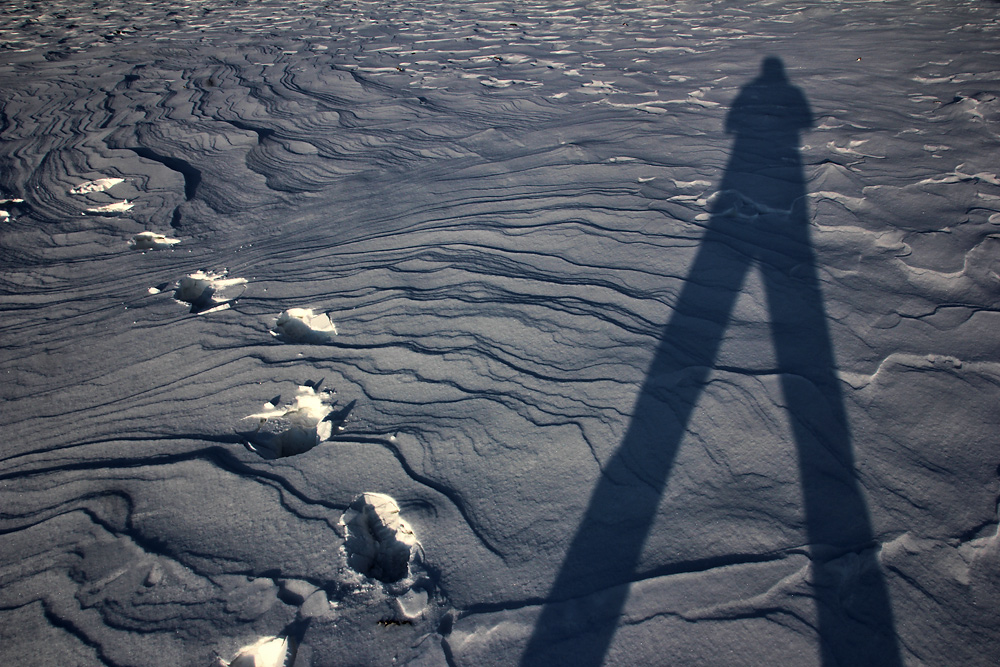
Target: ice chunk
(303, 424)
(413, 603)
(303, 325)
(265, 652)
(100, 185)
(379, 543)
(116, 208)
(207, 291)
(152, 241)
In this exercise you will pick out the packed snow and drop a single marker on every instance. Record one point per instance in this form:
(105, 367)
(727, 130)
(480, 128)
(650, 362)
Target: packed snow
(666, 333)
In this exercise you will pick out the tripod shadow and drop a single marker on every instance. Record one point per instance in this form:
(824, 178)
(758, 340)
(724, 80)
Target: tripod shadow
(758, 218)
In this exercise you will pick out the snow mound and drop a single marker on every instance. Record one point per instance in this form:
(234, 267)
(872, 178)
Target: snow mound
(303, 325)
(152, 241)
(116, 208)
(379, 543)
(265, 652)
(301, 424)
(208, 291)
(100, 185)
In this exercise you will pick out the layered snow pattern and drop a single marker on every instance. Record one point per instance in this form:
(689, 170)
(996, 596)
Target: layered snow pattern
(668, 328)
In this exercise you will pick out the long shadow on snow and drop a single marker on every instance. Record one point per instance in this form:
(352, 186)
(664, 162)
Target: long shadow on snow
(759, 218)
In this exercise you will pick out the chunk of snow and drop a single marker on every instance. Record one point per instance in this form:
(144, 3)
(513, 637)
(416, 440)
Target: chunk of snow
(302, 424)
(265, 652)
(305, 326)
(100, 185)
(379, 543)
(207, 291)
(115, 208)
(152, 241)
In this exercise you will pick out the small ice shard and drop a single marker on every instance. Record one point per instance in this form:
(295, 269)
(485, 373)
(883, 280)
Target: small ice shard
(100, 185)
(379, 543)
(303, 424)
(412, 603)
(152, 241)
(303, 325)
(265, 652)
(208, 291)
(117, 208)
(4, 216)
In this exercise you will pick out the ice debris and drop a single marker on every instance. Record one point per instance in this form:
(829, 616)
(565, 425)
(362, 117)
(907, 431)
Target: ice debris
(302, 424)
(379, 543)
(100, 185)
(152, 241)
(265, 652)
(116, 208)
(303, 325)
(208, 291)
(7, 203)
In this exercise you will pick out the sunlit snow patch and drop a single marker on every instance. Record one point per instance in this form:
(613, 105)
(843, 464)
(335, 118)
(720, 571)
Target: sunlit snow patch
(8, 203)
(152, 241)
(207, 291)
(117, 208)
(100, 185)
(265, 652)
(379, 543)
(294, 428)
(302, 325)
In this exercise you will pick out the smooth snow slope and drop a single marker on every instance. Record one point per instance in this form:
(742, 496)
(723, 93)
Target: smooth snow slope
(611, 384)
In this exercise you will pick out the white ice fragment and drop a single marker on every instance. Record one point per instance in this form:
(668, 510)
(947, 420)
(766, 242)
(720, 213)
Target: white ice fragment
(4, 216)
(152, 241)
(115, 208)
(100, 185)
(412, 603)
(379, 543)
(265, 652)
(302, 423)
(304, 325)
(698, 183)
(207, 291)
(308, 410)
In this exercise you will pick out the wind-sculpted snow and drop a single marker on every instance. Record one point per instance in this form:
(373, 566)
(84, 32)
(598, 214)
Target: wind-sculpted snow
(669, 329)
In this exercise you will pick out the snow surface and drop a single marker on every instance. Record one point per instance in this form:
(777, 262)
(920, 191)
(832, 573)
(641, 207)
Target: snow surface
(669, 329)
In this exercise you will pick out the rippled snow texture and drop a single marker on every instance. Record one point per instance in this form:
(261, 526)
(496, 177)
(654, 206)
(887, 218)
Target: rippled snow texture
(500, 203)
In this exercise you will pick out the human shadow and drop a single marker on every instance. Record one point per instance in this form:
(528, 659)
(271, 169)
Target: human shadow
(758, 219)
